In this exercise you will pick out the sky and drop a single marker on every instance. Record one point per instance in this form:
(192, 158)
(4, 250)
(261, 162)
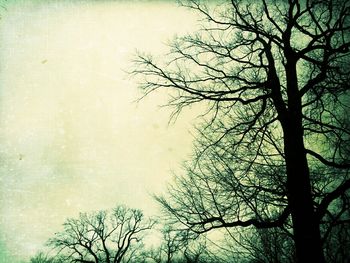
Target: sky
(72, 137)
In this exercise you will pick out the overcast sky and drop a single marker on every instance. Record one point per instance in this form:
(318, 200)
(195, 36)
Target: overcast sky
(71, 137)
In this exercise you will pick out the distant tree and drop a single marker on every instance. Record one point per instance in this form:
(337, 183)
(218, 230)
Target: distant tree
(270, 245)
(171, 247)
(108, 237)
(42, 257)
(173, 242)
(275, 149)
(197, 252)
(336, 229)
(177, 246)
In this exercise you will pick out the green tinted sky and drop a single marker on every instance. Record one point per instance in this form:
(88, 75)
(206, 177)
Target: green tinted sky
(71, 139)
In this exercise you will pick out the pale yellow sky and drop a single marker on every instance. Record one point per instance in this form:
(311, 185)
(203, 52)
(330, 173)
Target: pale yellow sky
(71, 138)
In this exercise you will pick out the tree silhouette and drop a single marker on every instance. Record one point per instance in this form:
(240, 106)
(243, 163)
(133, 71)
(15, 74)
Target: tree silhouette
(268, 245)
(178, 247)
(171, 245)
(41, 257)
(274, 151)
(110, 237)
(173, 242)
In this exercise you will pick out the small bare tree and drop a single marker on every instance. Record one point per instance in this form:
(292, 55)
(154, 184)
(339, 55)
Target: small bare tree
(42, 257)
(178, 246)
(108, 237)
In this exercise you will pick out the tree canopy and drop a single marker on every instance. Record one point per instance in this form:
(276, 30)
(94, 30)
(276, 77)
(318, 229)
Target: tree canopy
(274, 149)
(105, 236)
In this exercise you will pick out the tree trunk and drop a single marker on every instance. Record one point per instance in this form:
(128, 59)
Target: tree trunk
(306, 228)
(307, 237)
(305, 224)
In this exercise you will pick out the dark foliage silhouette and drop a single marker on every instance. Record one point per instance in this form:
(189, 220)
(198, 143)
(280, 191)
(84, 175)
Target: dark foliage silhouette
(274, 150)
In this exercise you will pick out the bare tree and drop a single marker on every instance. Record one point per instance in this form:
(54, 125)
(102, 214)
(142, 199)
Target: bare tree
(271, 245)
(42, 257)
(336, 229)
(111, 237)
(172, 244)
(178, 246)
(275, 151)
